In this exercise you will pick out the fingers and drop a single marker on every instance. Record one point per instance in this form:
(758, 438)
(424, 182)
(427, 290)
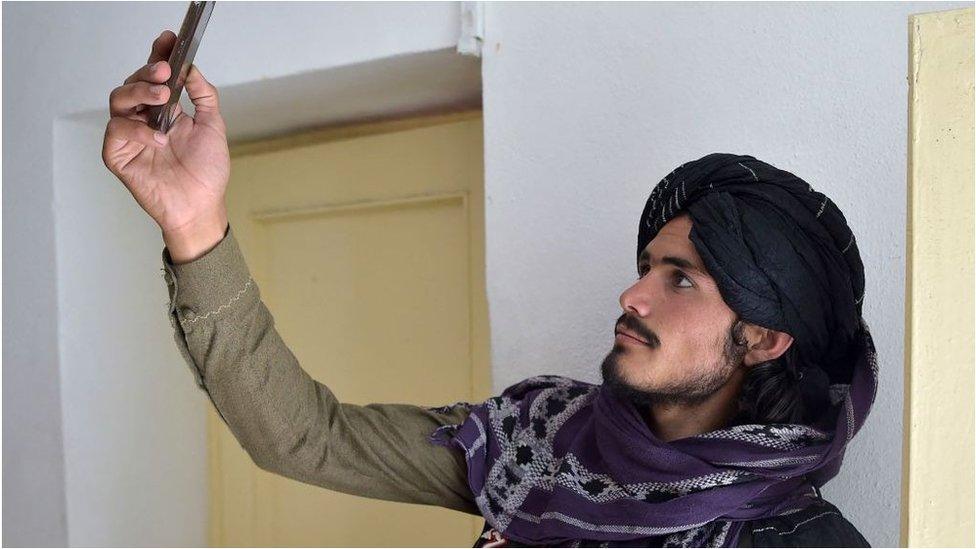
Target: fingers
(127, 103)
(203, 94)
(146, 85)
(127, 99)
(153, 72)
(121, 131)
(162, 46)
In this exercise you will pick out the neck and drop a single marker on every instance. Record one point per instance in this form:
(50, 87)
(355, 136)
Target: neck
(672, 421)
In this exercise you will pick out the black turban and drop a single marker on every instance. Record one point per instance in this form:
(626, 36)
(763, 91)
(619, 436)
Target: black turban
(781, 253)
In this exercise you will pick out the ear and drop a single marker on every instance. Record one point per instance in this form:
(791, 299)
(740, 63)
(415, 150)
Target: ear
(764, 344)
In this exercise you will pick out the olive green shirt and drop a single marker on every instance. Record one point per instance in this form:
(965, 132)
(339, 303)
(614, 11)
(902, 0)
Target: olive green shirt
(289, 423)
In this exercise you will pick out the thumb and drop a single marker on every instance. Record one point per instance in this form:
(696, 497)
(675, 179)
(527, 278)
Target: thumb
(204, 96)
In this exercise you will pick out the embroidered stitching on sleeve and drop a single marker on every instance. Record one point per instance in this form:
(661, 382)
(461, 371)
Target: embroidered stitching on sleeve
(222, 307)
(795, 527)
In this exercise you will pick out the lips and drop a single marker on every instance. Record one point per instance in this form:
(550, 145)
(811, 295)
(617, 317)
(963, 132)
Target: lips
(632, 336)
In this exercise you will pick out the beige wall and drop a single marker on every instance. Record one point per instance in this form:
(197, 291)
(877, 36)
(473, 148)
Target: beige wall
(937, 492)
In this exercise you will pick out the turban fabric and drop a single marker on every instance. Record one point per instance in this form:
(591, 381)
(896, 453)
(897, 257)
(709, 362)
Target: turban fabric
(781, 253)
(559, 462)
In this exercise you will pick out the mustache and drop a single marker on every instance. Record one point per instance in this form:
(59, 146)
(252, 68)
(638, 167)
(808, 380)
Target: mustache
(632, 325)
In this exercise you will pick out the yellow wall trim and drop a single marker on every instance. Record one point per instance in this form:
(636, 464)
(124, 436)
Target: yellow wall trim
(938, 448)
(348, 131)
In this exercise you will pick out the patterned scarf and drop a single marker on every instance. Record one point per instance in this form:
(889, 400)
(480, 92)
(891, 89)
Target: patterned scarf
(552, 461)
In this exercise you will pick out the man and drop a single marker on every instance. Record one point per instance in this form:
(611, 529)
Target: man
(714, 424)
(741, 368)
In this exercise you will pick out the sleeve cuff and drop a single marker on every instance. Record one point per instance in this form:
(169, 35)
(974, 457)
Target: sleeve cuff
(210, 283)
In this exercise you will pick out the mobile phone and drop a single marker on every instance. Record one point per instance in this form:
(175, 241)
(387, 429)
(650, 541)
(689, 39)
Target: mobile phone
(180, 59)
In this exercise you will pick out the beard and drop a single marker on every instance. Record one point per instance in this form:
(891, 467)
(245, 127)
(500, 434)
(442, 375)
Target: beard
(707, 382)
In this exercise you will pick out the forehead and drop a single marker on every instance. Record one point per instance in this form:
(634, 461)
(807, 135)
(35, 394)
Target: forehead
(672, 241)
(672, 237)
(679, 227)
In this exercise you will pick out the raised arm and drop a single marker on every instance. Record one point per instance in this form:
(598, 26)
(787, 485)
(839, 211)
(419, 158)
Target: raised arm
(287, 422)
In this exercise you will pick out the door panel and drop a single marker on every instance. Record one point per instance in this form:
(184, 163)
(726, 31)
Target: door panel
(369, 252)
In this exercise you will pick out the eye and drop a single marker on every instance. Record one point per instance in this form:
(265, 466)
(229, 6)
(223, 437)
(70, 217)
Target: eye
(678, 276)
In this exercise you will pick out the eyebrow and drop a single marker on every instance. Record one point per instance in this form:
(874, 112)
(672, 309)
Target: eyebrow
(681, 262)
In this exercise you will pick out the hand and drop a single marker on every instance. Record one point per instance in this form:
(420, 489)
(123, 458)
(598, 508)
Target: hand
(178, 178)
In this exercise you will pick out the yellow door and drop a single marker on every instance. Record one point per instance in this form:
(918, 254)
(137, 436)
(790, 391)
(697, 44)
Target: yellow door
(368, 245)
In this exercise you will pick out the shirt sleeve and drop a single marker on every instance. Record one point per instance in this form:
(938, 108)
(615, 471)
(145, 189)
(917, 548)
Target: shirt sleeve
(289, 423)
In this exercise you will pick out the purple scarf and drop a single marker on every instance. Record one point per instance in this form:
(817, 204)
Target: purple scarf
(553, 460)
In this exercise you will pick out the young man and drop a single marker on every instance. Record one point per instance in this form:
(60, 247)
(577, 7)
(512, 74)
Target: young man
(741, 368)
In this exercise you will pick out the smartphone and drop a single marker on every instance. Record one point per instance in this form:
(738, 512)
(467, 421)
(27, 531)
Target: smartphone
(180, 59)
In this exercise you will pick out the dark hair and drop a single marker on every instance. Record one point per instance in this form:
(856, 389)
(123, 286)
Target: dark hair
(783, 390)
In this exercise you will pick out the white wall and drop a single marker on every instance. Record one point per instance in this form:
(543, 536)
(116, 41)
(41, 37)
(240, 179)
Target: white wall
(588, 106)
(103, 427)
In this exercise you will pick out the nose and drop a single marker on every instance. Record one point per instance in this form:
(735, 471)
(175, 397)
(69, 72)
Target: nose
(638, 298)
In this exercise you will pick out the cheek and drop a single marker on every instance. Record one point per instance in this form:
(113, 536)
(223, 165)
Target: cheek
(691, 331)
(685, 316)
